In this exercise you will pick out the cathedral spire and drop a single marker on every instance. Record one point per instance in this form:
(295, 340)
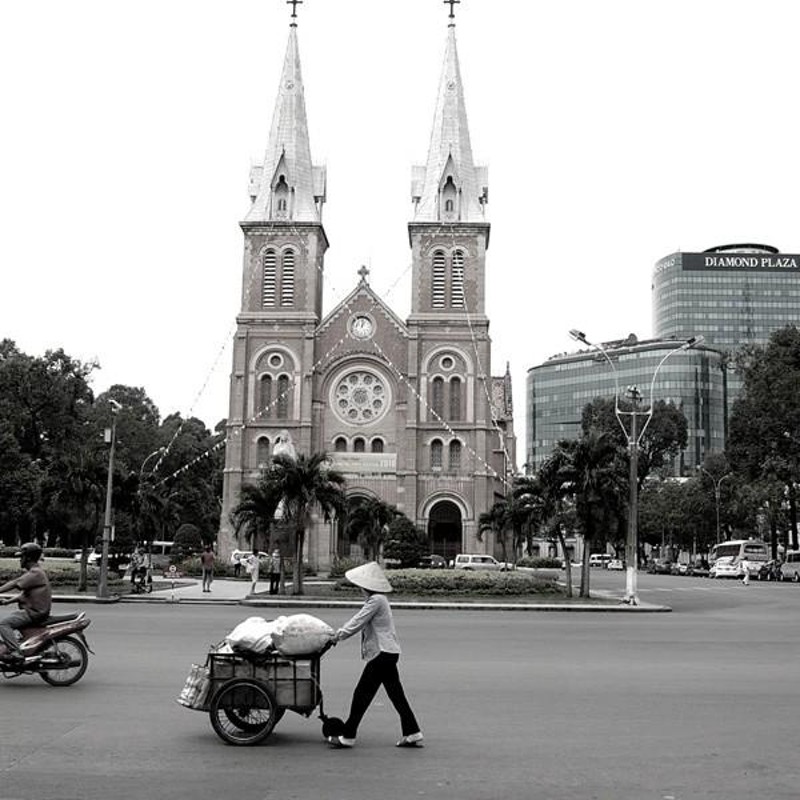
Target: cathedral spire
(286, 186)
(450, 188)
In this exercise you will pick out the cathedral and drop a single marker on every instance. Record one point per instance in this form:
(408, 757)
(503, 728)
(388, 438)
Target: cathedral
(408, 410)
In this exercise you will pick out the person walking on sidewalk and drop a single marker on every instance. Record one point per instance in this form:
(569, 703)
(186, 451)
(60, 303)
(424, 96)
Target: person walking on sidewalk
(207, 563)
(380, 648)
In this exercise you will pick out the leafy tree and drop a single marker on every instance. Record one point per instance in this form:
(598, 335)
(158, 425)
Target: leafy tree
(764, 431)
(664, 438)
(299, 485)
(369, 519)
(188, 541)
(405, 542)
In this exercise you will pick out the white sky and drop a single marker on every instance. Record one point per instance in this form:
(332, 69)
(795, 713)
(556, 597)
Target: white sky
(615, 133)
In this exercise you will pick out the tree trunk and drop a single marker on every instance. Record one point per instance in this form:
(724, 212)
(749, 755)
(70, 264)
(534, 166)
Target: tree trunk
(297, 576)
(585, 569)
(567, 561)
(793, 515)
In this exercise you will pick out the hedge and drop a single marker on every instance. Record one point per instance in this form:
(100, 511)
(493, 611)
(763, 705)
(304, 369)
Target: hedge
(464, 582)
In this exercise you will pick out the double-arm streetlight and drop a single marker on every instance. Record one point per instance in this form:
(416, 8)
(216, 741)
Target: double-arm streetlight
(717, 484)
(634, 438)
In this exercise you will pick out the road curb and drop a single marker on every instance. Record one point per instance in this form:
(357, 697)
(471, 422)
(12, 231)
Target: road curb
(616, 608)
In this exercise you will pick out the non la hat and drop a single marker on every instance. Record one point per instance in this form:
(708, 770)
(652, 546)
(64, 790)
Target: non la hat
(369, 576)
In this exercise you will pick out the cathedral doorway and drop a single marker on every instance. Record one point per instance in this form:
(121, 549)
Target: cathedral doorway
(445, 529)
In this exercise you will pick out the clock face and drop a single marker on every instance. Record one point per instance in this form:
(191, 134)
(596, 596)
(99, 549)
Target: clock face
(361, 327)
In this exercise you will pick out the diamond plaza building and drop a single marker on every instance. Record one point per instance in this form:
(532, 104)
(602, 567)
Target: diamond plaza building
(732, 295)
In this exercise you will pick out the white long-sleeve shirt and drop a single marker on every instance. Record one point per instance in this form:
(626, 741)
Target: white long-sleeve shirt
(374, 620)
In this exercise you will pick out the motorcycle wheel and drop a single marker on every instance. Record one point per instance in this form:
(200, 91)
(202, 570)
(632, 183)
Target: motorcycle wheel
(71, 654)
(243, 712)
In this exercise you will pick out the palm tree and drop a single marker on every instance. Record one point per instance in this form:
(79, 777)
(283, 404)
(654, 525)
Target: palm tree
(369, 518)
(298, 485)
(254, 513)
(591, 467)
(495, 521)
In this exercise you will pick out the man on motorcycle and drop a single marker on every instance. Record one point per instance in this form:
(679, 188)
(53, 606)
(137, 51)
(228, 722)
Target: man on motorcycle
(34, 599)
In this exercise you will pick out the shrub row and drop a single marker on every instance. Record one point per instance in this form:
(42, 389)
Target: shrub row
(539, 562)
(464, 582)
(63, 575)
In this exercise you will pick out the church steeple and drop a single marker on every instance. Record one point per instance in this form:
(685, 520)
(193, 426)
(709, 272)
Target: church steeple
(286, 186)
(450, 188)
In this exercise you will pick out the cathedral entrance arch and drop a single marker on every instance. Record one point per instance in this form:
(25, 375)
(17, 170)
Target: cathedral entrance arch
(445, 529)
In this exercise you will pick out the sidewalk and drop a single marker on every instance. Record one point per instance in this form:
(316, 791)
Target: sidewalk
(231, 592)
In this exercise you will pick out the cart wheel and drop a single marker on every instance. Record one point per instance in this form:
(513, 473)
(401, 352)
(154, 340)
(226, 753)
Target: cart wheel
(243, 712)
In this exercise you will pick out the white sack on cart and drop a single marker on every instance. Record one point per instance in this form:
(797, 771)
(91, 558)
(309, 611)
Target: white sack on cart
(301, 635)
(254, 634)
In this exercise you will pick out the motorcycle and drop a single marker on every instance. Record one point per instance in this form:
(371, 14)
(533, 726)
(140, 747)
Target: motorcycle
(141, 581)
(55, 649)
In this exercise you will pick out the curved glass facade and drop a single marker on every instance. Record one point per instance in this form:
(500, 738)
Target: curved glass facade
(558, 390)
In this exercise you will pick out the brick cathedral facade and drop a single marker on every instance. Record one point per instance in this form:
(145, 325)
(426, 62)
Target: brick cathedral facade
(407, 409)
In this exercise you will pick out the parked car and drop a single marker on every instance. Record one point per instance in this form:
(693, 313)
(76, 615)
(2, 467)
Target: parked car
(432, 562)
(616, 563)
(93, 558)
(770, 571)
(660, 566)
(471, 561)
(599, 560)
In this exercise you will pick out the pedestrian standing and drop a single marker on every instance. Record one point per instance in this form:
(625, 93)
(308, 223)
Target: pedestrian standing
(380, 648)
(252, 566)
(236, 560)
(207, 563)
(274, 571)
(745, 575)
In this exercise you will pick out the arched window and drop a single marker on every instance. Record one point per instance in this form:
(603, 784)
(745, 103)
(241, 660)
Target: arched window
(265, 396)
(448, 205)
(262, 452)
(457, 280)
(287, 278)
(455, 455)
(377, 446)
(436, 454)
(340, 445)
(438, 280)
(282, 400)
(359, 445)
(455, 399)
(269, 278)
(437, 397)
(281, 198)
(449, 192)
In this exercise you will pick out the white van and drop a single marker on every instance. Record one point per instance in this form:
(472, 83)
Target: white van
(790, 568)
(600, 560)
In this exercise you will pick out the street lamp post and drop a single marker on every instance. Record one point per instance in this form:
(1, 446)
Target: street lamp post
(634, 439)
(717, 493)
(102, 583)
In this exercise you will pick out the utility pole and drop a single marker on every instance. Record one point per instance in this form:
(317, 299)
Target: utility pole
(102, 583)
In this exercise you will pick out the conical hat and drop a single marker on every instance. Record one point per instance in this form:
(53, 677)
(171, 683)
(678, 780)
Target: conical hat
(370, 577)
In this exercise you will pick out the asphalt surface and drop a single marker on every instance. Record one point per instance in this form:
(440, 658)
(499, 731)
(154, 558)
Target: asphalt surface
(699, 703)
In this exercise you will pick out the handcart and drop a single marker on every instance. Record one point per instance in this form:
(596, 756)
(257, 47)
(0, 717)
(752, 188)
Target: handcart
(249, 693)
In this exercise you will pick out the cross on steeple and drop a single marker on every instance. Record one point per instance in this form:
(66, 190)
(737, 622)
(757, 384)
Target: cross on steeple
(452, 3)
(294, 4)
(363, 272)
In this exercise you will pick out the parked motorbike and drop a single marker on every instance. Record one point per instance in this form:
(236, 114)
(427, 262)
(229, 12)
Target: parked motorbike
(141, 581)
(56, 650)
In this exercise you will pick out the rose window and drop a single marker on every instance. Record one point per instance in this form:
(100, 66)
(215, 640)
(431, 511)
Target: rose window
(360, 397)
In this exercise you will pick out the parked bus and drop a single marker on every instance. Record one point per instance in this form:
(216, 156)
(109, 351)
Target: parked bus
(731, 559)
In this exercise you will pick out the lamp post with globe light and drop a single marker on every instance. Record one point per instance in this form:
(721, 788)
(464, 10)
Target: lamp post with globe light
(634, 439)
(111, 437)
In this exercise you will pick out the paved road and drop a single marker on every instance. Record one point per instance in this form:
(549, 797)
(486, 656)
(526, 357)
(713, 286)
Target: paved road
(699, 704)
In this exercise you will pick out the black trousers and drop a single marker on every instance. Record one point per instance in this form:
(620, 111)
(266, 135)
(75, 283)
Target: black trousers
(380, 671)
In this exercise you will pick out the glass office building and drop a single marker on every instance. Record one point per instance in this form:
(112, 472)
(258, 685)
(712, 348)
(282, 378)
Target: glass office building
(732, 295)
(558, 390)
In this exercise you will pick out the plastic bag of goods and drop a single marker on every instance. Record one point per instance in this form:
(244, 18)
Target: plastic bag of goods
(302, 635)
(254, 634)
